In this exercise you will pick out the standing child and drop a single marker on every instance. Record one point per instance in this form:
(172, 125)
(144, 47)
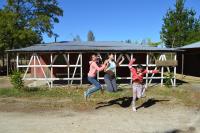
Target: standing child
(92, 76)
(137, 76)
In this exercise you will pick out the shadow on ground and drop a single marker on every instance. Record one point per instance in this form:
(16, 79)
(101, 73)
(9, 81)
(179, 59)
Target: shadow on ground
(125, 102)
(189, 130)
(150, 102)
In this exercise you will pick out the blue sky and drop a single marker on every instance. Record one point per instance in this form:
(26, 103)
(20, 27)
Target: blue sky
(114, 20)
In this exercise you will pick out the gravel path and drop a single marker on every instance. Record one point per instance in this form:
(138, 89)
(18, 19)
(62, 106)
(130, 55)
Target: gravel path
(155, 119)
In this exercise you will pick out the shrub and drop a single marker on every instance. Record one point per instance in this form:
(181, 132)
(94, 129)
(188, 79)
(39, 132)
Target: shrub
(16, 80)
(168, 76)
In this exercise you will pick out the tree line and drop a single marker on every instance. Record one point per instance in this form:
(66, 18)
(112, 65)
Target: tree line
(23, 22)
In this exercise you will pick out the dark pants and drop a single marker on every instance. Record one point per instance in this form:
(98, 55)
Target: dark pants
(110, 83)
(96, 87)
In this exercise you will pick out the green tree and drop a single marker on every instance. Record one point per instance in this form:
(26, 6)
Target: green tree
(22, 22)
(128, 41)
(180, 26)
(77, 38)
(11, 36)
(38, 15)
(90, 36)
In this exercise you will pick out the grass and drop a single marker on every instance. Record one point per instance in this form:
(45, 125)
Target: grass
(180, 95)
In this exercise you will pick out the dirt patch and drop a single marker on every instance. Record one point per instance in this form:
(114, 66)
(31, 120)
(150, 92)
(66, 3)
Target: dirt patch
(5, 82)
(112, 119)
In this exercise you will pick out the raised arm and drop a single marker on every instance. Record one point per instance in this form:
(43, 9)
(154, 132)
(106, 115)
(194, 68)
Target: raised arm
(122, 60)
(150, 71)
(94, 64)
(131, 63)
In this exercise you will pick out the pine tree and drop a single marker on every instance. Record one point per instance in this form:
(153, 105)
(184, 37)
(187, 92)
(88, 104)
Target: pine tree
(90, 36)
(179, 25)
(77, 38)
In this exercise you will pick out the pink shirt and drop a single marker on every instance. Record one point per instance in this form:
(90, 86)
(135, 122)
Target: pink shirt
(94, 68)
(138, 77)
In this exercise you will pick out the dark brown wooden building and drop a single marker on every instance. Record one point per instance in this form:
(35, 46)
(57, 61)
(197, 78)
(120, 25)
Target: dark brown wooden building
(189, 60)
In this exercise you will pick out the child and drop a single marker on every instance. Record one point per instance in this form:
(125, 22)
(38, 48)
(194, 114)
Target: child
(137, 76)
(92, 76)
(109, 77)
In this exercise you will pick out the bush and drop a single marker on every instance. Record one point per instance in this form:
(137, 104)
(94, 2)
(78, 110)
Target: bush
(16, 80)
(168, 76)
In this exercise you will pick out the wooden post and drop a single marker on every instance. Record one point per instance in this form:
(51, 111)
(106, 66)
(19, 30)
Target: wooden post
(131, 81)
(34, 67)
(162, 71)
(77, 62)
(17, 61)
(81, 73)
(51, 69)
(28, 66)
(68, 69)
(44, 74)
(147, 63)
(182, 68)
(115, 67)
(175, 57)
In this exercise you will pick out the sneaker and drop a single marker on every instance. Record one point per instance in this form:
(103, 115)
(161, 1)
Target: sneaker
(134, 109)
(85, 96)
(143, 96)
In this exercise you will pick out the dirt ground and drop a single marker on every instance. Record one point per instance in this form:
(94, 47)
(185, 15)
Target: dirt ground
(28, 116)
(158, 118)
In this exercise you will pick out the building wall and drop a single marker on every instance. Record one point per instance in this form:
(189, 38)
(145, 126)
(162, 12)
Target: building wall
(44, 60)
(191, 62)
(62, 72)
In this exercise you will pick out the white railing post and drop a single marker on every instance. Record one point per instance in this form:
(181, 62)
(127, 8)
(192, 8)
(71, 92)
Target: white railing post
(75, 69)
(131, 81)
(147, 68)
(17, 61)
(162, 71)
(44, 74)
(34, 68)
(51, 69)
(68, 69)
(81, 69)
(175, 58)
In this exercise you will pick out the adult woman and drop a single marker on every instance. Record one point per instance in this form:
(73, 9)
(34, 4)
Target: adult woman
(92, 75)
(109, 77)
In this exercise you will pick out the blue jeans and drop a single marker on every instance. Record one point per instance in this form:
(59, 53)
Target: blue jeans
(110, 83)
(96, 87)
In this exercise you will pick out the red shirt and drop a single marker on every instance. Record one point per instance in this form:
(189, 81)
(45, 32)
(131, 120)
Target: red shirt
(138, 77)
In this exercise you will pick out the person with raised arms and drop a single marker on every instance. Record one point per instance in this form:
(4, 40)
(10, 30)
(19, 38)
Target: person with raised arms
(137, 77)
(109, 77)
(94, 67)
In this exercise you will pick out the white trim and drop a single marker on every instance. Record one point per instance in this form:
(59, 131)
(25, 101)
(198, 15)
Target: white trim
(27, 67)
(79, 64)
(75, 67)
(175, 58)
(51, 69)
(52, 79)
(147, 68)
(42, 70)
(49, 66)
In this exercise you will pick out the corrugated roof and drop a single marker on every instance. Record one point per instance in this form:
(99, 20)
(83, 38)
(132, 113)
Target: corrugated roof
(90, 47)
(191, 46)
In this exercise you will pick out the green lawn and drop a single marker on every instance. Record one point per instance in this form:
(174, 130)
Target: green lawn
(183, 95)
